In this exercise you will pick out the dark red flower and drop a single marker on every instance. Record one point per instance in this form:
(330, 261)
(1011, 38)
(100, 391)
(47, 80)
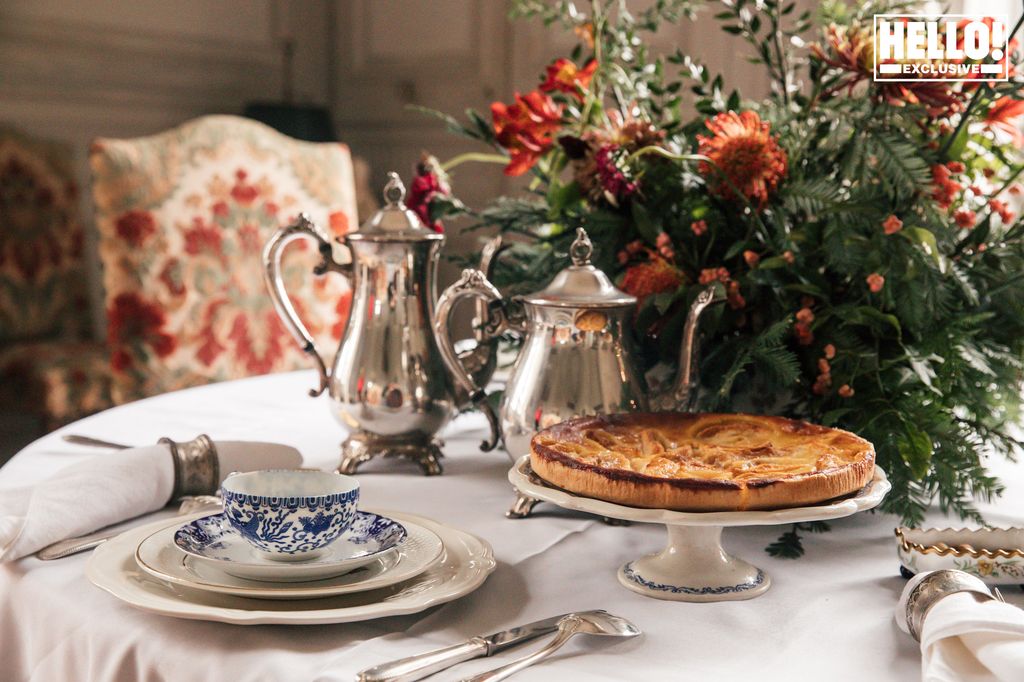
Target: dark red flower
(526, 128)
(428, 185)
(612, 176)
(135, 227)
(564, 76)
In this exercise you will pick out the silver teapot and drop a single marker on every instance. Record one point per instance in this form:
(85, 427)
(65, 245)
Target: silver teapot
(389, 385)
(577, 357)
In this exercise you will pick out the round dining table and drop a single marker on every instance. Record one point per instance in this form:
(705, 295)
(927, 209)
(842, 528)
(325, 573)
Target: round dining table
(828, 614)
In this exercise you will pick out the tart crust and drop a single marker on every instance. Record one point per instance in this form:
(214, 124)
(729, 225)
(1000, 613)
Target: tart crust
(702, 462)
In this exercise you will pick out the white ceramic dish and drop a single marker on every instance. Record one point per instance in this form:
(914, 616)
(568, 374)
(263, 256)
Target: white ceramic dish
(996, 555)
(213, 541)
(158, 556)
(467, 562)
(693, 566)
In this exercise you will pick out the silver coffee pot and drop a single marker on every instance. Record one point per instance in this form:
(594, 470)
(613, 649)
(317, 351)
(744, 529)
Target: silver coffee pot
(577, 357)
(389, 385)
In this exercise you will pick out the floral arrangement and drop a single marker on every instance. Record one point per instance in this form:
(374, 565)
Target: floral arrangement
(864, 234)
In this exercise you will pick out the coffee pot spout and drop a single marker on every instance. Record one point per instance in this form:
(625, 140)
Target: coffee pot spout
(681, 393)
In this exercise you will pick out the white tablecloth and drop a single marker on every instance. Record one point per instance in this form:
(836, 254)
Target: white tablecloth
(826, 616)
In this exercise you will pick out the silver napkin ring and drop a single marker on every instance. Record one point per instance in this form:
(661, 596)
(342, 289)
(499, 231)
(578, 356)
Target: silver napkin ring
(196, 466)
(934, 587)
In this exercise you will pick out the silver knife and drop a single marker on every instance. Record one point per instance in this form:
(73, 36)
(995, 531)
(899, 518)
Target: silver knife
(422, 665)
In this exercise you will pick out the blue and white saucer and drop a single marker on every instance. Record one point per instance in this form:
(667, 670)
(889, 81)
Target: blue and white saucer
(213, 541)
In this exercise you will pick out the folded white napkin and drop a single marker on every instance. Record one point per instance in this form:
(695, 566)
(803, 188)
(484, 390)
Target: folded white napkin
(110, 488)
(966, 640)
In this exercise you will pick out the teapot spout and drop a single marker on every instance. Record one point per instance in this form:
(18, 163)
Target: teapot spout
(681, 393)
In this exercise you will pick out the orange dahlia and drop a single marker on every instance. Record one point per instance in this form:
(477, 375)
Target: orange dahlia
(651, 277)
(526, 128)
(744, 155)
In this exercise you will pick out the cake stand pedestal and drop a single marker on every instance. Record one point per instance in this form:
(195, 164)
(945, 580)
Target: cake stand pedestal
(693, 566)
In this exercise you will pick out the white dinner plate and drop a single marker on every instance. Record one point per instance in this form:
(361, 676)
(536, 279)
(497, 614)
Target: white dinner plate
(467, 562)
(213, 541)
(158, 555)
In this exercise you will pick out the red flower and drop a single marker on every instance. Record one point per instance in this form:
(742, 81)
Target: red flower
(892, 225)
(875, 282)
(664, 244)
(652, 277)
(804, 335)
(751, 258)
(428, 185)
(243, 192)
(220, 209)
(526, 128)
(564, 76)
(846, 391)
(699, 227)
(1003, 115)
(135, 227)
(744, 156)
(965, 218)
(830, 351)
(132, 321)
(248, 350)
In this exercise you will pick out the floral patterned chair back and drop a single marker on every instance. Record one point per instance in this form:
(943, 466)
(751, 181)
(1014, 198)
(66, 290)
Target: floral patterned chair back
(183, 217)
(41, 264)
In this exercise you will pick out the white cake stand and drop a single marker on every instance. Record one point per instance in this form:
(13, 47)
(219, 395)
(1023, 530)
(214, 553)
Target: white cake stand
(693, 566)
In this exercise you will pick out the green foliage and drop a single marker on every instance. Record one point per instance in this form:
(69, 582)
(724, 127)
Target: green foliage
(930, 363)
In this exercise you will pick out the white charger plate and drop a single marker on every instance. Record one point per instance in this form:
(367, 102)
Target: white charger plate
(213, 541)
(467, 562)
(159, 556)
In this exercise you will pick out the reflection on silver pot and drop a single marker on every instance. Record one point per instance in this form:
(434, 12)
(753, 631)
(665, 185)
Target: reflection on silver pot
(577, 357)
(389, 385)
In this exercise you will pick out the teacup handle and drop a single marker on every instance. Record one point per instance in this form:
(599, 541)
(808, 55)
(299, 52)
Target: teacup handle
(473, 283)
(302, 228)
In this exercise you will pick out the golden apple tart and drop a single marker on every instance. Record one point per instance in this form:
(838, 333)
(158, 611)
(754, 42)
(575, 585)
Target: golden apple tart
(702, 462)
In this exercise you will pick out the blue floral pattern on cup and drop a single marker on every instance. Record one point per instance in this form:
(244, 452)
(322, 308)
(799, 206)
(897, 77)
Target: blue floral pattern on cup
(290, 525)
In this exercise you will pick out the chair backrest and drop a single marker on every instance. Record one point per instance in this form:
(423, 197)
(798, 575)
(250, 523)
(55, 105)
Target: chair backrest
(183, 217)
(42, 289)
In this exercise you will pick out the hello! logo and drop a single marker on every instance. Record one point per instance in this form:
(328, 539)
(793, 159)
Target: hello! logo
(946, 47)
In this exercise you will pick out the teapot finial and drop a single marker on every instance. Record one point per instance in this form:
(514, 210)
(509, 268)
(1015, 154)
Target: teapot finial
(581, 248)
(394, 190)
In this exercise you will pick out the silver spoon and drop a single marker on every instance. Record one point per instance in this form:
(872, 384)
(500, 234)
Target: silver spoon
(586, 623)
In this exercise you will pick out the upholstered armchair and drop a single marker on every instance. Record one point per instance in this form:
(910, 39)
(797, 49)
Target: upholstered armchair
(49, 368)
(183, 217)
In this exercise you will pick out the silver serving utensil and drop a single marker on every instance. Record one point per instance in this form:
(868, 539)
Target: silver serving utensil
(423, 665)
(586, 623)
(63, 548)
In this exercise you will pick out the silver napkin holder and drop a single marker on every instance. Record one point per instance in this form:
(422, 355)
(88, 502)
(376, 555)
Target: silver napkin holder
(196, 466)
(933, 587)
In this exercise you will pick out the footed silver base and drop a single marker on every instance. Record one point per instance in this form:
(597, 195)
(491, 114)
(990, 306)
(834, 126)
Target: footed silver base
(362, 447)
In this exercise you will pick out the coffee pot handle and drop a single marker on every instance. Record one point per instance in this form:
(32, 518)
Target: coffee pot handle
(302, 228)
(473, 283)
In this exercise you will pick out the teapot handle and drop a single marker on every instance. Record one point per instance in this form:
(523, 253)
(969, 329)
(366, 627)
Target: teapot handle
(472, 283)
(302, 228)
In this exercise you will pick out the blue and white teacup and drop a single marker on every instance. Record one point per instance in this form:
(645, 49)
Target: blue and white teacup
(291, 515)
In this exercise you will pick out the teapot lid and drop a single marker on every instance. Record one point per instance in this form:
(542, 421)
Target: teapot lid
(581, 285)
(395, 221)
